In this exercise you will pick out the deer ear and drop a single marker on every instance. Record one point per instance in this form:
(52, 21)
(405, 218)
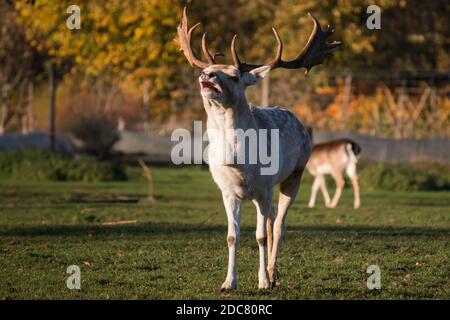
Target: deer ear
(254, 76)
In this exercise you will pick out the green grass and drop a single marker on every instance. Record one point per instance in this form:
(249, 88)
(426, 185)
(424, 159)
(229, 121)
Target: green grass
(177, 247)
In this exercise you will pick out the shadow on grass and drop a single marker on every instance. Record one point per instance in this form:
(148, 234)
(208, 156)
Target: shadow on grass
(89, 198)
(107, 200)
(163, 229)
(407, 200)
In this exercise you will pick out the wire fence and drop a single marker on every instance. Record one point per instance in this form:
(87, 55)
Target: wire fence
(389, 104)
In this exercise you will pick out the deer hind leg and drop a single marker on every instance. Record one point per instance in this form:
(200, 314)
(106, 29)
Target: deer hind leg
(263, 208)
(314, 189)
(351, 173)
(288, 192)
(233, 209)
(337, 176)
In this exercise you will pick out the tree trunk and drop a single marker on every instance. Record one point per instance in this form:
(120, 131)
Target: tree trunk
(4, 108)
(30, 107)
(109, 98)
(53, 85)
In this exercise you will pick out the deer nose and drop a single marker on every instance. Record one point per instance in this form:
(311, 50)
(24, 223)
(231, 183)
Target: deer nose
(204, 76)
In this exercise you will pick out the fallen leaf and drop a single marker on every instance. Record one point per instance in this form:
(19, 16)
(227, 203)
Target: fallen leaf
(403, 248)
(88, 264)
(407, 278)
(420, 265)
(338, 260)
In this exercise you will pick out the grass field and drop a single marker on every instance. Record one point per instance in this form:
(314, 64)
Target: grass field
(177, 248)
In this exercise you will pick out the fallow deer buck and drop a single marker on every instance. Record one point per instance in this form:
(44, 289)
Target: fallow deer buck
(332, 158)
(222, 88)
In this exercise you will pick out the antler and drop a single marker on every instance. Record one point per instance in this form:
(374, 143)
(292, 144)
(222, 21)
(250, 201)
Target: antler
(314, 52)
(184, 38)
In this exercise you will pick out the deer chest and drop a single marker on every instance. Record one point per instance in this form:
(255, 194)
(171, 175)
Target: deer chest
(232, 180)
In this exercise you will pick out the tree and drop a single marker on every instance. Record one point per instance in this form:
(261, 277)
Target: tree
(129, 45)
(20, 65)
(43, 33)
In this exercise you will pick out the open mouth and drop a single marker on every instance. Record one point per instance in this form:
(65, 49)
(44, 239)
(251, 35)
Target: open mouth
(206, 85)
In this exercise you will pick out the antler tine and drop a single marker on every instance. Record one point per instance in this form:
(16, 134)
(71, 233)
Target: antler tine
(314, 52)
(184, 38)
(277, 59)
(237, 62)
(242, 66)
(206, 53)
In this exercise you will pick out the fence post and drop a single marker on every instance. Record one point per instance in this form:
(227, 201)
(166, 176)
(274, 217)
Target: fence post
(146, 104)
(346, 101)
(265, 91)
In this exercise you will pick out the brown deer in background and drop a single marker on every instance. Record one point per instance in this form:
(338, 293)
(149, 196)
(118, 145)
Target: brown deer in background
(222, 88)
(332, 158)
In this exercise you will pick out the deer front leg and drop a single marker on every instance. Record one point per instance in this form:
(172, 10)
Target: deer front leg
(288, 192)
(270, 220)
(323, 188)
(263, 207)
(233, 209)
(314, 189)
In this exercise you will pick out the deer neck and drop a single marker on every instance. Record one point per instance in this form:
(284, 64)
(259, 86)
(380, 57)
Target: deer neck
(225, 117)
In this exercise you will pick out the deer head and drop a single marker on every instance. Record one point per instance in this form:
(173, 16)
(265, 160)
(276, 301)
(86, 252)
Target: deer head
(226, 84)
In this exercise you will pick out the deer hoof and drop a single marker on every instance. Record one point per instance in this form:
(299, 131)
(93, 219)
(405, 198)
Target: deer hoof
(228, 286)
(264, 285)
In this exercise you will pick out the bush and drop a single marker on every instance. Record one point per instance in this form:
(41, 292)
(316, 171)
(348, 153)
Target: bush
(97, 132)
(38, 166)
(405, 177)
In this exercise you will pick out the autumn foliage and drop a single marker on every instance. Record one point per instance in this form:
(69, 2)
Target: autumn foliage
(125, 60)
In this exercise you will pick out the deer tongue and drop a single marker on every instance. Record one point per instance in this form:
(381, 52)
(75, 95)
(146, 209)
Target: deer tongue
(211, 86)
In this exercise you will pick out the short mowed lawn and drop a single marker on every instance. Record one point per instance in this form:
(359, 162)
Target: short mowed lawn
(175, 248)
